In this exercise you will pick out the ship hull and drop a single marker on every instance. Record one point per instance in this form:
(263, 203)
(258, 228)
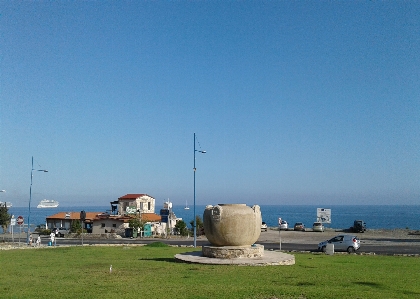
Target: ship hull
(47, 204)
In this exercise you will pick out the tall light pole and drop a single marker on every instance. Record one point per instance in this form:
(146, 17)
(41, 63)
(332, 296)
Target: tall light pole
(30, 198)
(195, 220)
(5, 203)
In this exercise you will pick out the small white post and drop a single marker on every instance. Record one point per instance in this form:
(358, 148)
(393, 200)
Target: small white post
(280, 232)
(280, 237)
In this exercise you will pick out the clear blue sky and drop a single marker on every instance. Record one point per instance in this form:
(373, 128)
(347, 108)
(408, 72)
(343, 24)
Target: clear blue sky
(295, 102)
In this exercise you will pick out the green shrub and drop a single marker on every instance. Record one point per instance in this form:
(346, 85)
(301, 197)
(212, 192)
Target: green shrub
(41, 231)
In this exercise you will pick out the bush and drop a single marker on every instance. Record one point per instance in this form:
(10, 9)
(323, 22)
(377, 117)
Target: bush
(41, 231)
(181, 228)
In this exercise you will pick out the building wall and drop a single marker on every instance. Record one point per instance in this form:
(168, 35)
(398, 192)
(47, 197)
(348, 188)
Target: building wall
(108, 225)
(146, 204)
(51, 223)
(159, 229)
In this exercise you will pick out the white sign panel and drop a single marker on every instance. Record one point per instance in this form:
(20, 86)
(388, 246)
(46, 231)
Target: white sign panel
(323, 215)
(131, 210)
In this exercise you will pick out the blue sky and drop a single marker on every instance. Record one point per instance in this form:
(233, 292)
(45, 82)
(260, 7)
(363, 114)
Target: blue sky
(295, 102)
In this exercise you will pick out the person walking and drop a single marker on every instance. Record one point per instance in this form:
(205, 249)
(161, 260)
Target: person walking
(52, 237)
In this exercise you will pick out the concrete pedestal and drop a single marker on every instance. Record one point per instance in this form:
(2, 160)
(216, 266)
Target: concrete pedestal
(232, 252)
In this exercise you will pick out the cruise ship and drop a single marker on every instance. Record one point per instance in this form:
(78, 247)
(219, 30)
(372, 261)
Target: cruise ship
(8, 204)
(47, 203)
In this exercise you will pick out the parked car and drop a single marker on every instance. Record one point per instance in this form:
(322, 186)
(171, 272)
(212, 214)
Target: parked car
(263, 227)
(347, 243)
(60, 232)
(299, 226)
(283, 225)
(318, 227)
(359, 226)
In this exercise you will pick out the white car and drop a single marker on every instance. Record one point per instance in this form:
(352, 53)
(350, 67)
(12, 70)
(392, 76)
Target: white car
(283, 225)
(263, 226)
(318, 227)
(347, 243)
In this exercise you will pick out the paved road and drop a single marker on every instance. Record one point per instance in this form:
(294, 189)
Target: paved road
(412, 247)
(378, 242)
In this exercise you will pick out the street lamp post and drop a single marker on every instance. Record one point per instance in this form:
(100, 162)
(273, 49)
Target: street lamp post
(195, 220)
(30, 198)
(5, 205)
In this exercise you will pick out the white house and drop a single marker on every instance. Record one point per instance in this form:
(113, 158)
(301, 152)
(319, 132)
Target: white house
(129, 205)
(136, 203)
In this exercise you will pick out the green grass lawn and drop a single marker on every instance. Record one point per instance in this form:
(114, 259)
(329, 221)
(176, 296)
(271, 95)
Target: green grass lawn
(152, 272)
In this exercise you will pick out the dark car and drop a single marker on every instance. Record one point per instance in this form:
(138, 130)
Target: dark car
(60, 232)
(359, 226)
(299, 226)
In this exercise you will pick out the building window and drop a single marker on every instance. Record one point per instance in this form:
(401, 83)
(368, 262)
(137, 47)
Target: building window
(114, 225)
(102, 225)
(148, 205)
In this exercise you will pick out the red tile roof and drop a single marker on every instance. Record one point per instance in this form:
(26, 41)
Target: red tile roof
(151, 217)
(133, 196)
(72, 215)
(108, 216)
(147, 217)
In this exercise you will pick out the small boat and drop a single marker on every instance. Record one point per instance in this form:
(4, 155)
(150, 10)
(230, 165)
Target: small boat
(48, 203)
(186, 206)
(7, 203)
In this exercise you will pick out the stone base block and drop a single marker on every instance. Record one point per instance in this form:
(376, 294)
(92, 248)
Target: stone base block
(233, 252)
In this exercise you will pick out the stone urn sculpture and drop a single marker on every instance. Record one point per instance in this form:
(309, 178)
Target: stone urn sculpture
(232, 224)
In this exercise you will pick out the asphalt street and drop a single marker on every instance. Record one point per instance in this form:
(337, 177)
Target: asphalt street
(385, 249)
(386, 242)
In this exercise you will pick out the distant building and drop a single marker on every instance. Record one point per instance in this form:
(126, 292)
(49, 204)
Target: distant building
(64, 219)
(136, 203)
(106, 223)
(129, 206)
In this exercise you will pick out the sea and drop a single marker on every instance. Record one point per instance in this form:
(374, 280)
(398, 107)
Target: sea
(342, 216)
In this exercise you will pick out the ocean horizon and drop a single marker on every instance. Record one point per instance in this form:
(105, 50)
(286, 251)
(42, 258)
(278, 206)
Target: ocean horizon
(342, 216)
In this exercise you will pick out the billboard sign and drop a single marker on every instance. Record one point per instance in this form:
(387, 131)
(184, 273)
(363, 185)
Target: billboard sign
(131, 210)
(323, 215)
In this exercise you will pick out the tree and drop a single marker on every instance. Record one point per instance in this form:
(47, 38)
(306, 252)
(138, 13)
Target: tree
(4, 217)
(181, 227)
(136, 223)
(199, 224)
(76, 226)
